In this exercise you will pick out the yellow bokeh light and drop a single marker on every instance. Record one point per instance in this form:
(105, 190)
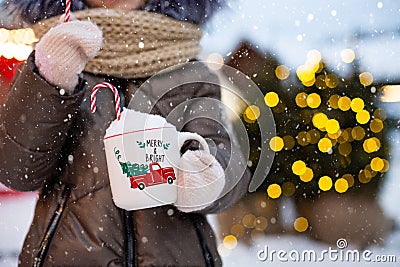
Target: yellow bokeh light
(345, 149)
(364, 176)
(252, 112)
(347, 55)
(325, 145)
(334, 136)
(344, 136)
(320, 67)
(300, 224)
(276, 143)
(377, 164)
(366, 78)
(308, 175)
(247, 119)
(325, 183)
(333, 101)
(260, 223)
(332, 126)
(349, 130)
(386, 165)
(22, 52)
(288, 189)
(282, 72)
(358, 133)
(248, 220)
(299, 167)
(305, 73)
(350, 137)
(319, 120)
(301, 100)
(380, 114)
(230, 242)
(377, 142)
(274, 191)
(368, 168)
(376, 125)
(4, 35)
(349, 178)
(357, 104)
(344, 103)
(313, 136)
(363, 117)
(309, 83)
(313, 57)
(302, 138)
(344, 162)
(341, 185)
(288, 142)
(237, 230)
(313, 100)
(16, 43)
(271, 99)
(331, 80)
(371, 145)
(320, 82)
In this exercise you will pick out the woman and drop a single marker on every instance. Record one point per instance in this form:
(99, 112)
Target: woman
(52, 143)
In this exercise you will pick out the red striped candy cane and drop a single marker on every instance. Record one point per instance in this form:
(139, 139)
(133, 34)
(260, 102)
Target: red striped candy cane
(67, 11)
(116, 98)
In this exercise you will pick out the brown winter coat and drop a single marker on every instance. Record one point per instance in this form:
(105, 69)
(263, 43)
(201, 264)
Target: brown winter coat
(53, 144)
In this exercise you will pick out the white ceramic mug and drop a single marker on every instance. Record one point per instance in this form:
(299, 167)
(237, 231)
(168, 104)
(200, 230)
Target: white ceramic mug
(143, 153)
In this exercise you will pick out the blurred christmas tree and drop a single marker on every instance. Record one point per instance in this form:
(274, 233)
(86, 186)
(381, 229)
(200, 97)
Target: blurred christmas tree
(331, 151)
(330, 129)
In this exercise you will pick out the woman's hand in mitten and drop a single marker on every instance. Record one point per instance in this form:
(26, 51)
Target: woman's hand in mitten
(63, 52)
(200, 181)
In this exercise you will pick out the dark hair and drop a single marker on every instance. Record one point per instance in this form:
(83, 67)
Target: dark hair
(32, 11)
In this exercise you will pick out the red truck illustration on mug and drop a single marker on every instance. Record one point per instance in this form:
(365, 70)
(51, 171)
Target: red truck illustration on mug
(156, 176)
(140, 175)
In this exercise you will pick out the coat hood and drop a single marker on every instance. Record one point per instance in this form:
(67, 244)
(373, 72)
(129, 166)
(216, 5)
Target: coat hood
(27, 12)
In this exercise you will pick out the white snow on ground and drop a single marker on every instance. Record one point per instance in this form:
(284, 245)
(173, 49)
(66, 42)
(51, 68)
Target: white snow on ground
(248, 256)
(16, 214)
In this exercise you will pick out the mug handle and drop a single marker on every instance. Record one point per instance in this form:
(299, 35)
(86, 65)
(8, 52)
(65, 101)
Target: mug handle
(185, 136)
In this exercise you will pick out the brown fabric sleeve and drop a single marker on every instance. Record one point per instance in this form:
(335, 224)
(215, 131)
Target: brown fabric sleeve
(34, 123)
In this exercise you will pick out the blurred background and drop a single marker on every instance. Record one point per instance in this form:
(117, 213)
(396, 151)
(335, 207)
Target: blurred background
(329, 71)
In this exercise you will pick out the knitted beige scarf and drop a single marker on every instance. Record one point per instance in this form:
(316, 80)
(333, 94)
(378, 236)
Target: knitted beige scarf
(136, 43)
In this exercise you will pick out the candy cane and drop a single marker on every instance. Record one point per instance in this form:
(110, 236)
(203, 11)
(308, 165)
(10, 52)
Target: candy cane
(116, 98)
(67, 11)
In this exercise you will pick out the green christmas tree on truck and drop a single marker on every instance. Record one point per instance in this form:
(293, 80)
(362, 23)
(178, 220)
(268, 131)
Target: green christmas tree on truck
(131, 169)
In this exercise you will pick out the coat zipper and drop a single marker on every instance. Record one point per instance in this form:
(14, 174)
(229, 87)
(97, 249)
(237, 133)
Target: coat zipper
(45, 244)
(130, 257)
(206, 251)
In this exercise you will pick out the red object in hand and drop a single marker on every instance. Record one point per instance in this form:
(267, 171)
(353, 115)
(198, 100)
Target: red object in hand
(67, 11)
(8, 68)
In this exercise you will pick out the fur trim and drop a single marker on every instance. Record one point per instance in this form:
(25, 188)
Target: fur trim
(28, 12)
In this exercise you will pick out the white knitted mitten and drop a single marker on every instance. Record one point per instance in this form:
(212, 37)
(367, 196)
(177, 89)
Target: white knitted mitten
(200, 181)
(62, 53)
